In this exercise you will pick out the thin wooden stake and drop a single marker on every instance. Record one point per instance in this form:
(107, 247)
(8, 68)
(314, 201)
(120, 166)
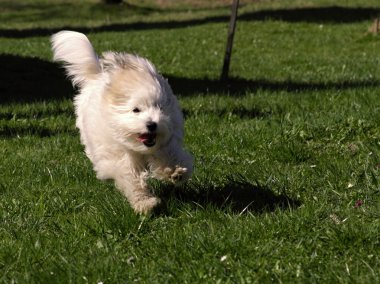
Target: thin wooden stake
(375, 27)
(230, 39)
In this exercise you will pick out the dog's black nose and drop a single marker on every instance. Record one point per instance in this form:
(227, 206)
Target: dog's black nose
(152, 126)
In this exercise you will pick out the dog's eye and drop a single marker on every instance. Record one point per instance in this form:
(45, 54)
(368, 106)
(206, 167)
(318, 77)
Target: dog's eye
(136, 110)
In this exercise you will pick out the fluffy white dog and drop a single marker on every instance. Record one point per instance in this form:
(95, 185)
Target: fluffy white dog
(129, 120)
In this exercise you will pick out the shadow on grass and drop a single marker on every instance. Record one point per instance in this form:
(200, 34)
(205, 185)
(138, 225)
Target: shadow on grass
(238, 196)
(9, 132)
(333, 14)
(27, 79)
(240, 86)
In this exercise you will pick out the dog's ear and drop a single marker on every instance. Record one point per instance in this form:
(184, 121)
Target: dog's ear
(76, 51)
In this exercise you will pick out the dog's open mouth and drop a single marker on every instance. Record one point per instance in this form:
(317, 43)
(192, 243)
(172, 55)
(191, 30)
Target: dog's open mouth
(148, 139)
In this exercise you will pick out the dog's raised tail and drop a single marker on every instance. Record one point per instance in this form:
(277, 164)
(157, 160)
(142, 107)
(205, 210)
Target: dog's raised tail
(76, 51)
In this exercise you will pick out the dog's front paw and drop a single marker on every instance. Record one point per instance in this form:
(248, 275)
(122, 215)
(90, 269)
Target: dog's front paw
(176, 175)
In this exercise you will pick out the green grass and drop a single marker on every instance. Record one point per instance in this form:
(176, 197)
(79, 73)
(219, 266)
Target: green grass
(286, 182)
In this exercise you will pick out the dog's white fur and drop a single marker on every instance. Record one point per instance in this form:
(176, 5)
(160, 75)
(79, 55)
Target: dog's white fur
(120, 95)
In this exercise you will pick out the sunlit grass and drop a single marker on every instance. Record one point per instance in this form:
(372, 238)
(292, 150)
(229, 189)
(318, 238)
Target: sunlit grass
(287, 154)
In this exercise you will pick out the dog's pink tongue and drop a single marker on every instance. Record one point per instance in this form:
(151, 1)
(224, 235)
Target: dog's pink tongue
(146, 137)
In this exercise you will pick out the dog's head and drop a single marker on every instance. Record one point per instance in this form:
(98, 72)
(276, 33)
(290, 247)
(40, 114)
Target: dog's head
(143, 112)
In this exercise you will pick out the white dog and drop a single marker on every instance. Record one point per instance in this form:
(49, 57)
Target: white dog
(129, 120)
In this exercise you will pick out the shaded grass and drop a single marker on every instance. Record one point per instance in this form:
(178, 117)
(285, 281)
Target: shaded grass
(283, 153)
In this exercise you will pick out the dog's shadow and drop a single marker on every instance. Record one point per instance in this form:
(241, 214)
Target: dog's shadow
(236, 196)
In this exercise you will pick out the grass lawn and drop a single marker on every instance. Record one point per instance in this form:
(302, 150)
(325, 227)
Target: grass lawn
(286, 186)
